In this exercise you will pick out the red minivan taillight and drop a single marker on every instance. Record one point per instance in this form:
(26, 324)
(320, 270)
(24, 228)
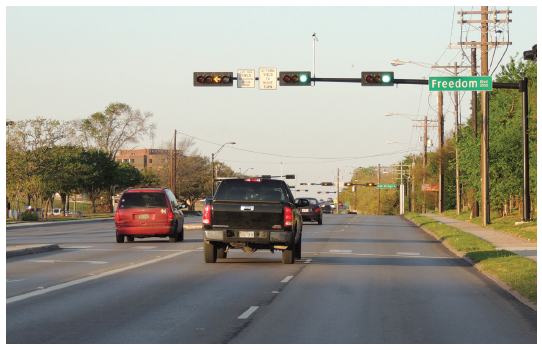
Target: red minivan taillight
(288, 217)
(117, 216)
(206, 219)
(169, 215)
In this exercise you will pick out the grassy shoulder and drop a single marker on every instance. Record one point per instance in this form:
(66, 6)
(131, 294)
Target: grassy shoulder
(518, 272)
(505, 224)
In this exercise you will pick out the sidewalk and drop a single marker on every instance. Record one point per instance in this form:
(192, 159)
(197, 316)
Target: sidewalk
(502, 241)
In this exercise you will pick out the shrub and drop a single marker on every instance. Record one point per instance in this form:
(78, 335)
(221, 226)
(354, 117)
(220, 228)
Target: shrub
(26, 216)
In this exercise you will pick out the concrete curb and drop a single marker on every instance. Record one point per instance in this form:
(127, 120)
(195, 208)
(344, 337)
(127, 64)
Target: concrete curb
(24, 250)
(492, 277)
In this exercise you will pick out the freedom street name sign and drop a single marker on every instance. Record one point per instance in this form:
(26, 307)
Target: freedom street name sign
(460, 84)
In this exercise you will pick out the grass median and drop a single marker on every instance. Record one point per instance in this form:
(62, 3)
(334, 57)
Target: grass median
(516, 271)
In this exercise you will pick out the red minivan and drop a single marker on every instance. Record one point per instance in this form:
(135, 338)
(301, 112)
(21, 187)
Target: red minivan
(144, 212)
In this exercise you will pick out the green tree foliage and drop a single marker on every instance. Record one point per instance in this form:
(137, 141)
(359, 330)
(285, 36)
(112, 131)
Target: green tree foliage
(150, 178)
(100, 174)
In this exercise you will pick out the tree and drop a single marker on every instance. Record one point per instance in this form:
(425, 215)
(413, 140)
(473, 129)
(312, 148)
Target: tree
(100, 174)
(150, 178)
(113, 129)
(127, 176)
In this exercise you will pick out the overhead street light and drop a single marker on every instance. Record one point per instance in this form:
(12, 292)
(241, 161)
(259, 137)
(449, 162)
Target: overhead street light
(213, 164)
(248, 170)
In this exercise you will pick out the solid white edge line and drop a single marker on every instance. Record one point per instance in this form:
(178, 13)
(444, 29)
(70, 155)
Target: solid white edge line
(86, 279)
(247, 313)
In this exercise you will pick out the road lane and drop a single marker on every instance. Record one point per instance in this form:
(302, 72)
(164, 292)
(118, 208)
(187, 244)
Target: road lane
(362, 279)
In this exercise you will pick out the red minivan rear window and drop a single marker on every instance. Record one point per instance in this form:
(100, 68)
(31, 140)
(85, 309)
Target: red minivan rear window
(140, 200)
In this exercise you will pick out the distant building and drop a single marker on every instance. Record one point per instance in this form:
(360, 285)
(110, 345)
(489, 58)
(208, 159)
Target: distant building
(145, 158)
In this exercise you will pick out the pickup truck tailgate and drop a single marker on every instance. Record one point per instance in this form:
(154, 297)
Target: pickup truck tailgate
(242, 215)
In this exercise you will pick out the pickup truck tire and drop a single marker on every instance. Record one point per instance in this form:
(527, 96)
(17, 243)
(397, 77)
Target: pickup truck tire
(320, 221)
(120, 238)
(288, 255)
(180, 236)
(297, 252)
(210, 252)
(221, 253)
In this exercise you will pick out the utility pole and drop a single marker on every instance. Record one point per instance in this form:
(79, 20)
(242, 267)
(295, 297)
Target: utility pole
(440, 145)
(424, 153)
(484, 47)
(174, 177)
(474, 122)
(378, 182)
(457, 184)
(485, 123)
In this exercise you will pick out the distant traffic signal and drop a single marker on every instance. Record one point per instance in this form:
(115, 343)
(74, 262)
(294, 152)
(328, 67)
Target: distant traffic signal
(213, 78)
(377, 79)
(303, 183)
(294, 78)
(370, 184)
(348, 184)
(327, 184)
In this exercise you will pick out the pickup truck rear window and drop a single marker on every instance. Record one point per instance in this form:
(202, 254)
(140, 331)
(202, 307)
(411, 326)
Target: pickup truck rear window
(139, 200)
(251, 191)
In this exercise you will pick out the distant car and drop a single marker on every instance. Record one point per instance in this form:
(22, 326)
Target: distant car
(57, 211)
(326, 209)
(148, 212)
(309, 209)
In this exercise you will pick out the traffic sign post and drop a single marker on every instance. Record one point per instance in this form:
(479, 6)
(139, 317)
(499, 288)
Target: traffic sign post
(482, 83)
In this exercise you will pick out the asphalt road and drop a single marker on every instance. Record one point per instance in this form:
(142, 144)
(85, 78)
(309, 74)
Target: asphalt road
(362, 279)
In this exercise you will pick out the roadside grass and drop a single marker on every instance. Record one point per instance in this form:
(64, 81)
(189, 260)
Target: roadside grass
(505, 224)
(86, 215)
(518, 272)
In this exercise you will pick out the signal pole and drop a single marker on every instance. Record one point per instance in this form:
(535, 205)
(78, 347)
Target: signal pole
(378, 181)
(337, 190)
(474, 107)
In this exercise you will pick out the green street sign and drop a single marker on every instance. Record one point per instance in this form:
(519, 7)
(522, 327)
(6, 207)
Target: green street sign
(387, 186)
(460, 84)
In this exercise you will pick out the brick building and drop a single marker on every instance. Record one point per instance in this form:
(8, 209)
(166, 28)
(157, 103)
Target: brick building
(145, 158)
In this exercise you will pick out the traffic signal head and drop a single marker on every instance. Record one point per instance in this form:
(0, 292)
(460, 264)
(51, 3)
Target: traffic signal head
(294, 78)
(303, 183)
(348, 184)
(327, 183)
(370, 184)
(377, 79)
(213, 78)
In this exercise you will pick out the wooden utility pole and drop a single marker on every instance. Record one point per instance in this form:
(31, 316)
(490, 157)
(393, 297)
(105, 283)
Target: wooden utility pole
(440, 145)
(484, 47)
(485, 123)
(424, 154)
(457, 184)
(474, 122)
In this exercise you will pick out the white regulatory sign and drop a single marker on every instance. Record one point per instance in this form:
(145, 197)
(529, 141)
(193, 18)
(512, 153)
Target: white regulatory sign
(268, 79)
(246, 78)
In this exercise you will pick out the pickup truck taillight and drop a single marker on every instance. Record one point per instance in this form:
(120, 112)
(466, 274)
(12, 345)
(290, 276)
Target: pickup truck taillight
(206, 219)
(288, 217)
(317, 210)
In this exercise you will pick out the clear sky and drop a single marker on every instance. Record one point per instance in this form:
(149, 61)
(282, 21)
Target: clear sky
(67, 63)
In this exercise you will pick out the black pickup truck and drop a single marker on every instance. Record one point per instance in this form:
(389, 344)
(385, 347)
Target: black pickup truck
(251, 214)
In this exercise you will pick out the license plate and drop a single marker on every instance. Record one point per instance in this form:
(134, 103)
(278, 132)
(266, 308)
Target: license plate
(246, 234)
(143, 216)
(305, 210)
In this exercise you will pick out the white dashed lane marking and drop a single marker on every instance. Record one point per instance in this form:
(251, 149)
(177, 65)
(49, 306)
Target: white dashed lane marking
(69, 261)
(287, 279)
(247, 313)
